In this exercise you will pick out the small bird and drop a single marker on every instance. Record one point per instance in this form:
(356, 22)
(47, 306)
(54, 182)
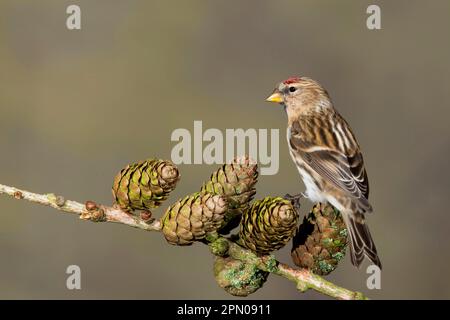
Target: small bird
(328, 158)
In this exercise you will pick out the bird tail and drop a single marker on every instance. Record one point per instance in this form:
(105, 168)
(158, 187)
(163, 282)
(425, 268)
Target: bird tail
(361, 242)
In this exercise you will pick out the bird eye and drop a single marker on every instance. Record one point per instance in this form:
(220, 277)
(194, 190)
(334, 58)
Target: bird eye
(292, 89)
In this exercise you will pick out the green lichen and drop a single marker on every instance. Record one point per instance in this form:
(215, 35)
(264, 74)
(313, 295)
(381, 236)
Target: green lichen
(343, 233)
(257, 277)
(325, 267)
(338, 256)
(219, 247)
(237, 277)
(271, 264)
(211, 237)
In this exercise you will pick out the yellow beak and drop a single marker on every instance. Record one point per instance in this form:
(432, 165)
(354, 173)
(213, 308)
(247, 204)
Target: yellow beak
(275, 97)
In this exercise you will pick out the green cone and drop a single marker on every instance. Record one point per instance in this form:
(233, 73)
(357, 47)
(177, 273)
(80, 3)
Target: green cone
(193, 218)
(234, 181)
(144, 185)
(268, 225)
(238, 278)
(320, 241)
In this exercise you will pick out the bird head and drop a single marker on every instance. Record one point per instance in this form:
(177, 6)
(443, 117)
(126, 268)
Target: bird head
(300, 94)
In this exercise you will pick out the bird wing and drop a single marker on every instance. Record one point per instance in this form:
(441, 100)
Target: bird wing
(339, 163)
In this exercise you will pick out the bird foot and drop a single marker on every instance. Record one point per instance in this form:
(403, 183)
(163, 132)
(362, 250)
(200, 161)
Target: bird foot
(295, 200)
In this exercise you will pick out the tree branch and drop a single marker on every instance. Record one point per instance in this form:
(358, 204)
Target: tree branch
(89, 211)
(303, 278)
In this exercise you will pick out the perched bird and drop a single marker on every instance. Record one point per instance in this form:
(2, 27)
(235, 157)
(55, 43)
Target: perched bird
(328, 158)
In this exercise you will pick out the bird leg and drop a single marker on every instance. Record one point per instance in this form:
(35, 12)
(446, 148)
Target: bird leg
(295, 200)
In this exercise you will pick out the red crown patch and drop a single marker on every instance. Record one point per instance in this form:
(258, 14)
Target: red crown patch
(292, 80)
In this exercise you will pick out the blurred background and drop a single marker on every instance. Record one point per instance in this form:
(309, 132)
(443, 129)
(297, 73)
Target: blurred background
(77, 106)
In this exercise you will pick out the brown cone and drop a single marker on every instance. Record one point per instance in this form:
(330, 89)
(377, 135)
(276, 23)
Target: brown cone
(268, 225)
(235, 181)
(144, 185)
(320, 241)
(193, 218)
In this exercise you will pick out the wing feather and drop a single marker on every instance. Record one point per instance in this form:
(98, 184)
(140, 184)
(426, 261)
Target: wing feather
(342, 164)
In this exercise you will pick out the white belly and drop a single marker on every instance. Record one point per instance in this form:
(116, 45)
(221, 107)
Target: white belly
(315, 195)
(312, 192)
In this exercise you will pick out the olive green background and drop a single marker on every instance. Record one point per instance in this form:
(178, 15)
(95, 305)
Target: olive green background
(76, 106)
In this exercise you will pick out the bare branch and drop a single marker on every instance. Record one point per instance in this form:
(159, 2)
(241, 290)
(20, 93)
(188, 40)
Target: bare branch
(96, 213)
(303, 278)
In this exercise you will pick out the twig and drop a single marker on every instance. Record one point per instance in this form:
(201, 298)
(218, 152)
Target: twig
(303, 278)
(89, 211)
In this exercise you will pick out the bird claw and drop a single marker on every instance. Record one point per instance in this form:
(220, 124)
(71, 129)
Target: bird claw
(295, 200)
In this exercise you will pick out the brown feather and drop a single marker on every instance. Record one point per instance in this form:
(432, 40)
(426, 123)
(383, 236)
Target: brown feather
(328, 156)
(342, 166)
